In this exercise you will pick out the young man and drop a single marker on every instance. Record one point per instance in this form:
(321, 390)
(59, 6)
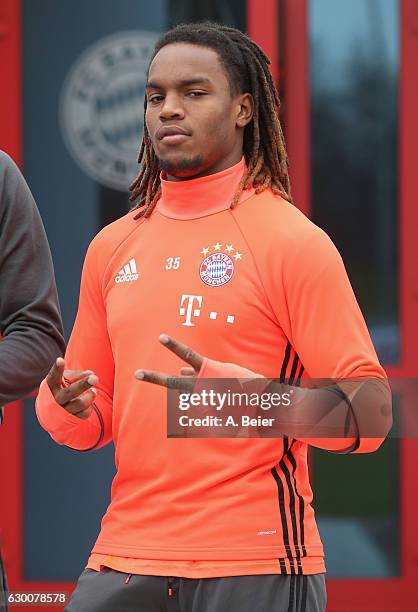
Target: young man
(30, 320)
(215, 255)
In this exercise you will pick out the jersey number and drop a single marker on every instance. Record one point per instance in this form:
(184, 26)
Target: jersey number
(173, 263)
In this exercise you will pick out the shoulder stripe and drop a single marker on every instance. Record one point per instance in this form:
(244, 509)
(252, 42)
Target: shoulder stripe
(285, 362)
(288, 469)
(294, 369)
(285, 531)
(301, 503)
(292, 507)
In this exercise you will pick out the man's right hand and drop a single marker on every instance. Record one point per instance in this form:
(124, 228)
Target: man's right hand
(73, 389)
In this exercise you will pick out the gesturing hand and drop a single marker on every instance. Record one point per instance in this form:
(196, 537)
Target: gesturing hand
(186, 381)
(73, 389)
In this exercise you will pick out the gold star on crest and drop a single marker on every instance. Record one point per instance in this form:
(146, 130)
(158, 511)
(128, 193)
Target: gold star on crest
(237, 256)
(229, 248)
(205, 251)
(217, 246)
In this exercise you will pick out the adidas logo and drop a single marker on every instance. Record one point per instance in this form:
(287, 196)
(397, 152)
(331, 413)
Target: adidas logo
(128, 273)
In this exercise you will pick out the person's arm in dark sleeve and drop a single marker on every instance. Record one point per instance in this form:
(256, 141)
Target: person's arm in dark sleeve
(30, 320)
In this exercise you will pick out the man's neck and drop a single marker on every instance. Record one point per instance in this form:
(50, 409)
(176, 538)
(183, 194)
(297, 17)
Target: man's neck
(228, 162)
(202, 196)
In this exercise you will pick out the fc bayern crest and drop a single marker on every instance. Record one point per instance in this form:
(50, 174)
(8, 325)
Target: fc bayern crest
(218, 268)
(100, 107)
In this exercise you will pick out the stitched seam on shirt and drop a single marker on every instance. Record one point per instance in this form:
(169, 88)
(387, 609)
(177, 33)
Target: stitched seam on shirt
(257, 270)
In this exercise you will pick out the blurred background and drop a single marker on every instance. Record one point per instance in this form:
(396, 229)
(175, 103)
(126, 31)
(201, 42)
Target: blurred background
(72, 77)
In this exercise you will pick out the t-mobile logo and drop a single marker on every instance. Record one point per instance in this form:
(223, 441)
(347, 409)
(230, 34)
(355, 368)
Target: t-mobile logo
(187, 307)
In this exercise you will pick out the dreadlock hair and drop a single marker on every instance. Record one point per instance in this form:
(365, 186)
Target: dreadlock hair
(247, 68)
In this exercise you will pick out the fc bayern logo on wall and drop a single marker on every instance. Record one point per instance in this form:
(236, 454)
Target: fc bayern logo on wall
(102, 105)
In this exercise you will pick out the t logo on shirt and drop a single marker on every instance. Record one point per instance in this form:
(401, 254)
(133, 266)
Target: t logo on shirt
(189, 309)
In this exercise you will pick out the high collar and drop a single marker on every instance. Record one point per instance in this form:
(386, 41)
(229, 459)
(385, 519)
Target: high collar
(202, 196)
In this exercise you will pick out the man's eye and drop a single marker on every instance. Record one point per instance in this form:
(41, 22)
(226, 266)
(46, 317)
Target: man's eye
(154, 99)
(195, 94)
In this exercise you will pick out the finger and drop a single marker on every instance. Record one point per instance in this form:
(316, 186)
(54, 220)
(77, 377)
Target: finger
(166, 380)
(67, 394)
(181, 350)
(55, 374)
(74, 375)
(157, 378)
(186, 371)
(182, 383)
(84, 414)
(82, 406)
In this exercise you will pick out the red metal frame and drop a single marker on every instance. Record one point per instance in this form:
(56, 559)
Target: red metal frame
(10, 79)
(11, 506)
(262, 22)
(10, 140)
(296, 93)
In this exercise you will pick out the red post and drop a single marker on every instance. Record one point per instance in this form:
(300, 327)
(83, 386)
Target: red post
(11, 451)
(408, 257)
(408, 185)
(10, 79)
(297, 101)
(11, 506)
(262, 26)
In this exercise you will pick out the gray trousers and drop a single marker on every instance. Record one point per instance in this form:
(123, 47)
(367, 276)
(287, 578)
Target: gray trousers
(112, 591)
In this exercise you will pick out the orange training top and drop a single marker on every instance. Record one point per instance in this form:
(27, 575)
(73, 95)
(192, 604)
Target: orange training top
(259, 286)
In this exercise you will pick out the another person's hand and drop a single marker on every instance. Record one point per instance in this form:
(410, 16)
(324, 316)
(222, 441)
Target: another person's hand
(73, 389)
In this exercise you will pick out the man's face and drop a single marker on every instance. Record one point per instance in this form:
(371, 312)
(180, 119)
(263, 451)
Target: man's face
(196, 125)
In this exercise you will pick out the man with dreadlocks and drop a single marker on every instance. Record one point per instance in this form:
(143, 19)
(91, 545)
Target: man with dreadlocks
(215, 254)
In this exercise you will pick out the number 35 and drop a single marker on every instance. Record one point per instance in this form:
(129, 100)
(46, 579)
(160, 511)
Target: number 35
(173, 263)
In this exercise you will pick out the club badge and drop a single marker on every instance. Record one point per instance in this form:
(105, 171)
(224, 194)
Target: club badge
(99, 107)
(218, 266)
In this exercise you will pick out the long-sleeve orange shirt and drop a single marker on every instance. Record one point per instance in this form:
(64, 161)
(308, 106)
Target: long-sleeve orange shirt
(259, 286)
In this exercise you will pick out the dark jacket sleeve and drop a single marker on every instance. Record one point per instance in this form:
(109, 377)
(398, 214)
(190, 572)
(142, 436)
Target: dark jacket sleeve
(30, 319)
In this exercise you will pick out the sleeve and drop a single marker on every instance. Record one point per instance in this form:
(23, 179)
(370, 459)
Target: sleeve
(313, 301)
(30, 319)
(327, 330)
(89, 348)
(309, 414)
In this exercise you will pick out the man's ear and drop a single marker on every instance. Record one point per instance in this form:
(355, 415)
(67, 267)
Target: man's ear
(245, 107)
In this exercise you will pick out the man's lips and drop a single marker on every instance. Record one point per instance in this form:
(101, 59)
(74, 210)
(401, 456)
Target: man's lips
(172, 134)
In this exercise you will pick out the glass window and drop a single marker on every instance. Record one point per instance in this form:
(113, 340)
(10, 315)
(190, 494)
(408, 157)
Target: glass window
(354, 59)
(354, 87)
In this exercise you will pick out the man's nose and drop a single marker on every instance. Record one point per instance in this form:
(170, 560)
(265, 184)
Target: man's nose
(172, 108)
